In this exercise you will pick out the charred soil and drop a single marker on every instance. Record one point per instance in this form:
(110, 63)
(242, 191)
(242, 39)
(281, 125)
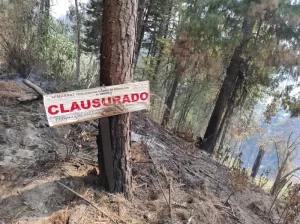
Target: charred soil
(34, 158)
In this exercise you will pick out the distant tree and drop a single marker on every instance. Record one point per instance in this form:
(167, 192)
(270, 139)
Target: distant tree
(93, 27)
(263, 28)
(78, 39)
(286, 150)
(257, 162)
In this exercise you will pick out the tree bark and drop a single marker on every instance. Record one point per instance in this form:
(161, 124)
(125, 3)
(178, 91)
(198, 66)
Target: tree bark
(234, 70)
(143, 16)
(223, 130)
(78, 40)
(184, 109)
(117, 66)
(171, 97)
(166, 24)
(257, 162)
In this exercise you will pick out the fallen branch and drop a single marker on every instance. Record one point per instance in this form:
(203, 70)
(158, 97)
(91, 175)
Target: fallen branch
(34, 87)
(179, 205)
(165, 174)
(27, 98)
(206, 174)
(91, 203)
(162, 190)
(170, 201)
(190, 220)
(158, 179)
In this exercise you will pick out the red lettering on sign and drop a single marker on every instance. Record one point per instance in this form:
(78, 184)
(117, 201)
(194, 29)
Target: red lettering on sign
(108, 103)
(126, 99)
(50, 110)
(144, 96)
(75, 106)
(96, 103)
(117, 100)
(135, 97)
(85, 107)
(62, 109)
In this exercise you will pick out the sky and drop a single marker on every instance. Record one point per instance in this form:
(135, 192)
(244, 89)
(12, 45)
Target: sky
(59, 8)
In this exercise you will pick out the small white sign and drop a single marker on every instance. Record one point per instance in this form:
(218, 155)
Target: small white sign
(88, 104)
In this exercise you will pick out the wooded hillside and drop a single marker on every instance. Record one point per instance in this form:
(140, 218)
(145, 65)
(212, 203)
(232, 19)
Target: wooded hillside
(223, 127)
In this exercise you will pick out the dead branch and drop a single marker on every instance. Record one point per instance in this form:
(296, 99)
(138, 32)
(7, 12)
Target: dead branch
(206, 174)
(179, 205)
(34, 87)
(158, 179)
(163, 169)
(190, 220)
(159, 184)
(170, 201)
(91, 203)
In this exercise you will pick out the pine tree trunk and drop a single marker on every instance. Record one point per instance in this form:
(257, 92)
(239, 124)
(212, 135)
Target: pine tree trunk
(223, 129)
(233, 72)
(117, 66)
(257, 162)
(165, 34)
(171, 97)
(78, 40)
(44, 18)
(184, 110)
(142, 21)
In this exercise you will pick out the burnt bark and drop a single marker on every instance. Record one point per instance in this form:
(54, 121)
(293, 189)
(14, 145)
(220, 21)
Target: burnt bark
(235, 70)
(185, 108)
(257, 162)
(117, 66)
(170, 99)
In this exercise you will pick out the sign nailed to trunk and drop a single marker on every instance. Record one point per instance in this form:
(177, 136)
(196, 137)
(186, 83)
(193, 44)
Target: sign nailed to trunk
(89, 104)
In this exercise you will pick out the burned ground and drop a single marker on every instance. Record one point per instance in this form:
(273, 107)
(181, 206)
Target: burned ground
(34, 157)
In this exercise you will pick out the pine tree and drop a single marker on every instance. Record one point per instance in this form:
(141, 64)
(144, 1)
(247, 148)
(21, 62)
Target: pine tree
(117, 67)
(93, 27)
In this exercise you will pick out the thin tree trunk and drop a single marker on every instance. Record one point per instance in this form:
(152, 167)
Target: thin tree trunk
(165, 34)
(223, 128)
(257, 162)
(78, 26)
(143, 16)
(43, 24)
(234, 70)
(171, 97)
(117, 66)
(184, 110)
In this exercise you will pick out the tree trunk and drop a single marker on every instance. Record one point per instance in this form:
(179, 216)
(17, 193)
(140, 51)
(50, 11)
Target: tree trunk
(165, 34)
(117, 66)
(44, 11)
(143, 16)
(223, 129)
(257, 162)
(275, 187)
(234, 71)
(184, 109)
(170, 98)
(78, 40)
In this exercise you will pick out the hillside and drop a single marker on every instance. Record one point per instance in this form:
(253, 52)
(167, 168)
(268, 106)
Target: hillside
(34, 158)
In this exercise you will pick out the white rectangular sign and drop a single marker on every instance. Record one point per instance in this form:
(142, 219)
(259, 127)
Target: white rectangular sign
(88, 104)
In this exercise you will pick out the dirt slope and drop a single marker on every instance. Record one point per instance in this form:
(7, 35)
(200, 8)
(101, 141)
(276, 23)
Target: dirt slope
(33, 157)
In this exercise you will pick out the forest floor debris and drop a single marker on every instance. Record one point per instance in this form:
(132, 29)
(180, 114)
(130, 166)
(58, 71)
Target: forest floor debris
(35, 158)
